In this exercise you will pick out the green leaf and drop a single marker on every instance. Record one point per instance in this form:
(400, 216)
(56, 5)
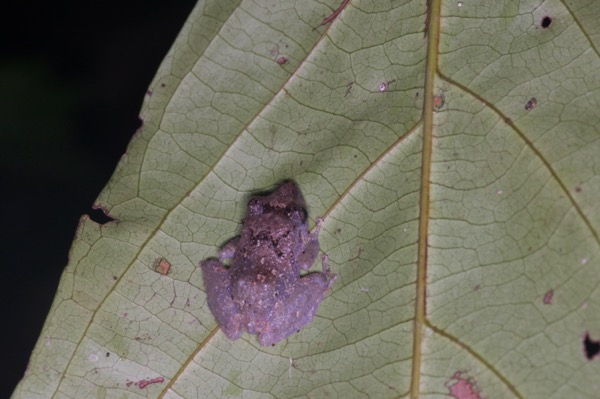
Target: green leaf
(456, 171)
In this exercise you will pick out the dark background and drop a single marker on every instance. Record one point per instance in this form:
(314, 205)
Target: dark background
(72, 78)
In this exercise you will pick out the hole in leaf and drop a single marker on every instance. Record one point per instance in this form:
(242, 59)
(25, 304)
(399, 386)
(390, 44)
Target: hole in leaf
(546, 22)
(99, 216)
(590, 347)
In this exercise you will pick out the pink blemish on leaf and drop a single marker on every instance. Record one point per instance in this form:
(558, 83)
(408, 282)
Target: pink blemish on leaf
(591, 348)
(438, 102)
(144, 383)
(463, 388)
(548, 297)
(335, 13)
(162, 266)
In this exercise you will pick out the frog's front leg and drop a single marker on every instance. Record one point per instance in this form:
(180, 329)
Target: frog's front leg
(229, 249)
(310, 246)
(218, 292)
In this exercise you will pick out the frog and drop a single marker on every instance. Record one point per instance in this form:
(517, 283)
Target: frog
(263, 290)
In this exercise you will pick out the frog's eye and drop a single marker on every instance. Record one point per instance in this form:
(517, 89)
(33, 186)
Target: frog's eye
(255, 207)
(298, 215)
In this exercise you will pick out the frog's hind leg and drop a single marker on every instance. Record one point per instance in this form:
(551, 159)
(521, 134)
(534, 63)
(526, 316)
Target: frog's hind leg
(218, 292)
(297, 310)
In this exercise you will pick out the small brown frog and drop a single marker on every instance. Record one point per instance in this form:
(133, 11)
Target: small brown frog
(262, 291)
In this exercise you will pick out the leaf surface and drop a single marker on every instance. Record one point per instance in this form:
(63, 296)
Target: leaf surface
(457, 173)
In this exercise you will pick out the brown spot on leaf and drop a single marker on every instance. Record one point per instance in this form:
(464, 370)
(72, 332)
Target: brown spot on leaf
(348, 88)
(546, 22)
(531, 104)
